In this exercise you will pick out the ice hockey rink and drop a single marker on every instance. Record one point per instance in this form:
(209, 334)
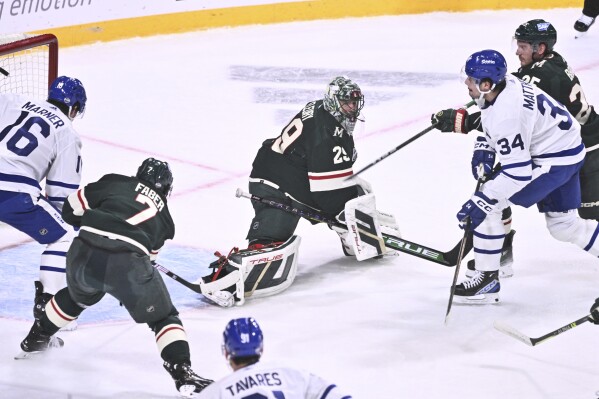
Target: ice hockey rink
(204, 102)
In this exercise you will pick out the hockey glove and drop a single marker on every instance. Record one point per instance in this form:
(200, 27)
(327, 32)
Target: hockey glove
(476, 208)
(595, 312)
(483, 154)
(451, 120)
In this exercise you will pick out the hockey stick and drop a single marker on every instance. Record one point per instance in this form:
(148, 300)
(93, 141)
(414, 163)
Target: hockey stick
(448, 259)
(467, 233)
(220, 297)
(4, 71)
(512, 332)
(402, 145)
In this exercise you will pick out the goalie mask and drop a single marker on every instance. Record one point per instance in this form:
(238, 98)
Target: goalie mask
(344, 99)
(158, 174)
(253, 273)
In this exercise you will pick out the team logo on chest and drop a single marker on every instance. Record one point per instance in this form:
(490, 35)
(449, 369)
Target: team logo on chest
(338, 131)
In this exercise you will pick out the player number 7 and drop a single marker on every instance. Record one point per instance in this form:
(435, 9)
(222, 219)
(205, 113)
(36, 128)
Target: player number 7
(145, 214)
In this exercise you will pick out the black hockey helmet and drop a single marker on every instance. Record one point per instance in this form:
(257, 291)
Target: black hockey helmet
(537, 31)
(158, 174)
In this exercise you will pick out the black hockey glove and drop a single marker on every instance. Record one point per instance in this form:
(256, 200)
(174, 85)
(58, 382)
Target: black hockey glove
(451, 120)
(595, 312)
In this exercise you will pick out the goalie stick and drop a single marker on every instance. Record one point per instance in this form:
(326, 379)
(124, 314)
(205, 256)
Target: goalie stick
(222, 298)
(512, 332)
(448, 259)
(402, 145)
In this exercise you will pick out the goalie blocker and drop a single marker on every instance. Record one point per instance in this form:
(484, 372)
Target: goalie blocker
(253, 273)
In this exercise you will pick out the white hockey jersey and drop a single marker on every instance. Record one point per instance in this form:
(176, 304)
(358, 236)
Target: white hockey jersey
(37, 141)
(272, 382)
(526, 127)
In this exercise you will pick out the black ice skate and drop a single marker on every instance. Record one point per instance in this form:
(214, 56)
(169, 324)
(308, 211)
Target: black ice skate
(39, 306)
(187, 382)
(482, 288)
(583, 24)
(507, 259)
(38, 342)
(40, 300)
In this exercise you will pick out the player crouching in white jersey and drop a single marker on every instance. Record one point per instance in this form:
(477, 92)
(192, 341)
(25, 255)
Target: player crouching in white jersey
(243, 343)
(303, 169)
(538, 143)
(37, 142)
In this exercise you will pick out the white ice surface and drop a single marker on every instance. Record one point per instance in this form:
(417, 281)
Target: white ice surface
(204, 102)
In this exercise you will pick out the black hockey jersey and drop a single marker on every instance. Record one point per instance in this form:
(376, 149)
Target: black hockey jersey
(124, 208)
(310, 160)
(555, 77)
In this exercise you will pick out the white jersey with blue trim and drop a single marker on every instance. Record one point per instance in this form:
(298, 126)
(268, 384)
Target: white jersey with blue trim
(38, 141)
(272, 382)
(528, 130)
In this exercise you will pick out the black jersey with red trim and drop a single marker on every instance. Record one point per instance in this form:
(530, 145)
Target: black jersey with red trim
(122, 207)
(555, 77)
(310, 160)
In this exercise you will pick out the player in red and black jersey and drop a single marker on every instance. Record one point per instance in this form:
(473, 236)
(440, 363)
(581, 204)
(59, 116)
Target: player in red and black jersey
(123, 221)
(307, 164)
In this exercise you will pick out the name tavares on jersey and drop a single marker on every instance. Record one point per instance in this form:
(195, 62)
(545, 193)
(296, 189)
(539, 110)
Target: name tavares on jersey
(258, 379)
(529, 96)
(150, 194)
(52, 117)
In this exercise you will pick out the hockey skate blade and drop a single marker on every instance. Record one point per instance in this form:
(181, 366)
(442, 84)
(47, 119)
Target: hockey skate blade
(481, 299)
(579, 35)
(27, 355)
(512, 332)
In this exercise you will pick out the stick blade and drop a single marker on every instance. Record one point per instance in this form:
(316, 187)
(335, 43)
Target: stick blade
(512, 332)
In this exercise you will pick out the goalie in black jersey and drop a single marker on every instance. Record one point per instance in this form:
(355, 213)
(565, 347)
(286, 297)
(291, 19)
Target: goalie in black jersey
(542, 66)
(305, 167)
(123, 221)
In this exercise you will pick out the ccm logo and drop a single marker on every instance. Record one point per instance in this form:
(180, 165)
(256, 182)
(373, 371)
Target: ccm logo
(484, 206)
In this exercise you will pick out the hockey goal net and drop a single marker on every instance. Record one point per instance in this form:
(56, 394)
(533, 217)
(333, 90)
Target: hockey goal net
(28, 64)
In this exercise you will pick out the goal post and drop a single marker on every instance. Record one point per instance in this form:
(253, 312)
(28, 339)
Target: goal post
(28, 64)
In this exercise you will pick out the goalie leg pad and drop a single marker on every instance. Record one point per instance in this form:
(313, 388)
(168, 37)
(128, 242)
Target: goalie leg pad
(257, 273)
(364, 229)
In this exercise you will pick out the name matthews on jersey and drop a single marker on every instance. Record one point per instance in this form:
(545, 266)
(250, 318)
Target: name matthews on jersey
(529, 97)
(258, 379)
(151, 194)
(53, 118)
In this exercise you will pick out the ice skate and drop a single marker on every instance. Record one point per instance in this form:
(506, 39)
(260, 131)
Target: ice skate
(37, 343)
(482, 288)
(39, 306)
(507, 259)
(187, 382)
(582, 25)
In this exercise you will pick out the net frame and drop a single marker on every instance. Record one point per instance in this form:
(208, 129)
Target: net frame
(29, 63)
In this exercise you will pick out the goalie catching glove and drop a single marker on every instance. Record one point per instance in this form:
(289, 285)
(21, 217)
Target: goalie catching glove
(252, 272)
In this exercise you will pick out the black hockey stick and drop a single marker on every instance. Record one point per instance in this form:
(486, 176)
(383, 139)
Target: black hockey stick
(222, 298)
(467, 235)
(448, 259)
(4, 71)
(402, 145)
(181, 280)
(512, 332)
